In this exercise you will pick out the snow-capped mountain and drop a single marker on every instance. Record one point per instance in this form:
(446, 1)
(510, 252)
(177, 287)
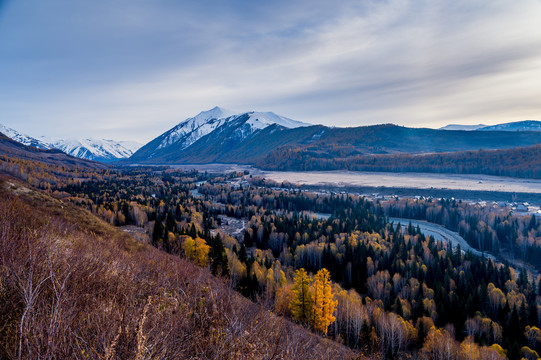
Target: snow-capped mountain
(216, 122)
(22, 138)
(192, 129)
(96, 149)
(463, 127)
(90, 149)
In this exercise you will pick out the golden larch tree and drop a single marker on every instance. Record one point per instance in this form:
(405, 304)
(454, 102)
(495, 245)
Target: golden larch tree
(324, 303)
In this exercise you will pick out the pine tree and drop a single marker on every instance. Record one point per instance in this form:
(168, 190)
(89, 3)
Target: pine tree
(324, 303)
(217, 256)
(157, 232)
(301, 304)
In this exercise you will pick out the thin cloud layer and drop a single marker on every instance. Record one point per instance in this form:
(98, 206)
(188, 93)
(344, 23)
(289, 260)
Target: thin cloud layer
(133, 69)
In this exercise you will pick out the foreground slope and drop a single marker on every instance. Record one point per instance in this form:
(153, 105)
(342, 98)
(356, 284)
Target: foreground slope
(72, 286)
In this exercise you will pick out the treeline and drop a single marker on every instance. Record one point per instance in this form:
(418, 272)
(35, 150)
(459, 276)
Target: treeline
(523, 162)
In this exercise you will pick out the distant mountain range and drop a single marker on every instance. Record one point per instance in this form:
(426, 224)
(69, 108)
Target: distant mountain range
(90, 149)
(269, 140)
(97, 149)
(16, 149)
(463, 127)
(264, 139)
(526, 125)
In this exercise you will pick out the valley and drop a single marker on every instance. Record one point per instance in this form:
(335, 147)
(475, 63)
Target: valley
(270, 180)
(405, 180)
(471, 255)
(469, 187)
(468, 182)
(261, 235)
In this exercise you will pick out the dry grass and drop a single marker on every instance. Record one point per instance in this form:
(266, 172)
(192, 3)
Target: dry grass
(73, 287)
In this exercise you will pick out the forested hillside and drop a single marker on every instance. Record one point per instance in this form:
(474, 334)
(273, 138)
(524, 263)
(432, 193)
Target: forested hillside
(74, 287)
(522, 162)
(317, 147)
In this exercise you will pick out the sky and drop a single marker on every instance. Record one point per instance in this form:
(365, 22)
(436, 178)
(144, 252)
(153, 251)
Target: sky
(132, 69)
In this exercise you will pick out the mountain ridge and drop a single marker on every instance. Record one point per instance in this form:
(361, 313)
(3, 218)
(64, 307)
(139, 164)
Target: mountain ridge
(234, 141)
(90, 149)
(12, 148)
(97, 149)
(23, 138)
(217, 121)
(522, 125)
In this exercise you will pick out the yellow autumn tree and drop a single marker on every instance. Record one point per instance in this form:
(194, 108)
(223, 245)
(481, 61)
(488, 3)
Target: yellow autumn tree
(439, 345)
(301, 304)
(324, 303)
(528, 353)
(196, 250)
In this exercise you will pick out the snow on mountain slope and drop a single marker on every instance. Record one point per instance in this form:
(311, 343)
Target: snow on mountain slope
(94, 149)
(260, 120)
(192, 129)
(526, 125)
(22, 138)
(462, 127)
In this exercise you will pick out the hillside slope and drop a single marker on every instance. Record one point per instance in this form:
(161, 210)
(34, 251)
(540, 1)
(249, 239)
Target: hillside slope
(74, 287)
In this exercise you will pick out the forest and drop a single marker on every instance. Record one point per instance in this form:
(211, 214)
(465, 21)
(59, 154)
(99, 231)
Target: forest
(332, 263)
(522, 162)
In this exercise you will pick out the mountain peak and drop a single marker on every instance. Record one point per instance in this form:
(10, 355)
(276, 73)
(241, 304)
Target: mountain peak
(217, 120)
(214, 113)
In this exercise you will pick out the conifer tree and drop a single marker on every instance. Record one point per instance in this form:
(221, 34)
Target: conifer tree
(301, 304)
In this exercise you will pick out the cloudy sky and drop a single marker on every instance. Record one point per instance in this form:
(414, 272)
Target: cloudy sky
(131, 69)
